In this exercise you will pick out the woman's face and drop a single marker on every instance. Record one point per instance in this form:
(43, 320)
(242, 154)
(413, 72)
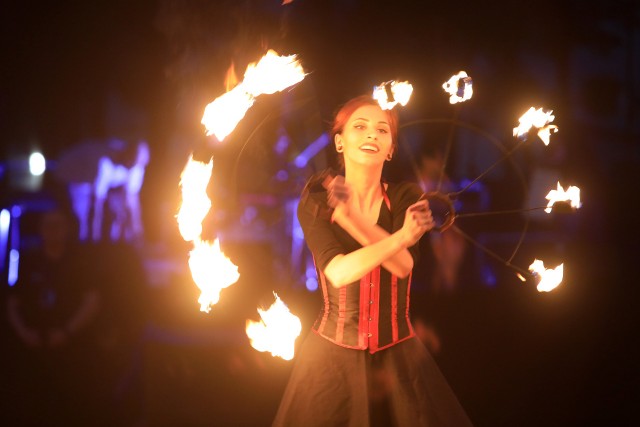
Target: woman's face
(366, 137)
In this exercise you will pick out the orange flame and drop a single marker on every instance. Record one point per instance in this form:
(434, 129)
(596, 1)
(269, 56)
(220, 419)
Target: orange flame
(460, 87)
(273, 73)
(195, 203)
(538, 119)
(230, 78)
(571, 195)
(211, 270)
(548, 279)
(276, 332)
(391, 93)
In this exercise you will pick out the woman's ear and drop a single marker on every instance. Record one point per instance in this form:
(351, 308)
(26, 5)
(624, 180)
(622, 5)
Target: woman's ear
(338, 142)
(392, 151)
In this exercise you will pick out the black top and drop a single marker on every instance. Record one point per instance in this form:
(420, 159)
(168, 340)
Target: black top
(373, 312)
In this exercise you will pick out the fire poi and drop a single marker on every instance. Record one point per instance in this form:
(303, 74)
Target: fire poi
(391, 93)
(570, 197)
(539, 120)
(276, 332)
(211, 270)
(459, 87)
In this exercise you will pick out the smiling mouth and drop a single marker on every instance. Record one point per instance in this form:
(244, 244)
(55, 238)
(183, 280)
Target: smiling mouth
(369, 148)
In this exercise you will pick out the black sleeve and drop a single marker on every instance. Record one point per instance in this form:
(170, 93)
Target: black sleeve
(314, 216)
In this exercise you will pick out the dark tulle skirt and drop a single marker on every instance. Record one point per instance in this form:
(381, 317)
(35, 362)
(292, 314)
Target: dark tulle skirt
(335, 386)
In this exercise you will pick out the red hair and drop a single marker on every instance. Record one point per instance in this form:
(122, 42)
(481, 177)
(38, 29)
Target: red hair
(343, 114)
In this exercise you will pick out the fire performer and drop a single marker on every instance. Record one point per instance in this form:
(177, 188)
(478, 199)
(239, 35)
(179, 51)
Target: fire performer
(362, 364)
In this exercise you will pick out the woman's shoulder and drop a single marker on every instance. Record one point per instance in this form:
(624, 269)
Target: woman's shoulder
(404, 190)
(318, 181)
(313, 199)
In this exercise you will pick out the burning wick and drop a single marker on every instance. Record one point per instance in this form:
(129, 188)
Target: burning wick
(391, 93)
(539, 120)
(563, 200)
(548, 279)
(460, 87)
(276, 332)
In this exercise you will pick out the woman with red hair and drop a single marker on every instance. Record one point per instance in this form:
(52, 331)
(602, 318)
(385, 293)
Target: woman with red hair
(362, 364)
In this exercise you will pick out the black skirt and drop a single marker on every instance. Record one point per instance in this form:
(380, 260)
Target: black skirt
(396, 387)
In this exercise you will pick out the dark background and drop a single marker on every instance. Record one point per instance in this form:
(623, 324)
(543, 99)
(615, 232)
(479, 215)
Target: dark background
(78, 71)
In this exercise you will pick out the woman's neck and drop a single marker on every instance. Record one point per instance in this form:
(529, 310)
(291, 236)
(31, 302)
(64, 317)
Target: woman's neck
(365, 184)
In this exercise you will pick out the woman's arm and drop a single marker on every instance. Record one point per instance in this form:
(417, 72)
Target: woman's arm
(345, 269)
(399, 263)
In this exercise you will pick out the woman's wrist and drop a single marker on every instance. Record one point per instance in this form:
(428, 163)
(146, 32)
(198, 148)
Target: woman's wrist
(339, 214)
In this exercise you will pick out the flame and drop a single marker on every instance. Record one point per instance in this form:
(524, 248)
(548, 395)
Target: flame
(222, 116)
(230, 78)
(195, 203)
(460, 87)
(571, 195)
(211, 270)
(548, 279)
(391, 93)
(272, 73)
(538, 119)
(276, 332)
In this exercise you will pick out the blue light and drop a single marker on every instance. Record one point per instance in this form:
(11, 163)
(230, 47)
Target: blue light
(488, 277)
(311, 150)
(311, 284)
(5, 222)
(14, 259)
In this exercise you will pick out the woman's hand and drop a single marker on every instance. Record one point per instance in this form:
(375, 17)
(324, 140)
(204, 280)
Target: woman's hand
(417, 221)
(338, 196)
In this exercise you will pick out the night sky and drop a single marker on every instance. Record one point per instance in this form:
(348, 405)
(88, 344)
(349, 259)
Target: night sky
(78, 71)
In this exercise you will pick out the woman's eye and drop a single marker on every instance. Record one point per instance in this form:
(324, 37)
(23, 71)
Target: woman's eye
(359, 127)
(383, 131)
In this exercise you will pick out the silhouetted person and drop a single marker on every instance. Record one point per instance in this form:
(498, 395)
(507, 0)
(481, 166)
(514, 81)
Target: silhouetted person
(51, 309)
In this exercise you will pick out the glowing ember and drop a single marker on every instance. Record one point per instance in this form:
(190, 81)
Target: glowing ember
(570, 195)
(391, 93)
(538, 119)
(212, 271)
(276, 332)
(460, 87)
(273, 73)
(548, 279)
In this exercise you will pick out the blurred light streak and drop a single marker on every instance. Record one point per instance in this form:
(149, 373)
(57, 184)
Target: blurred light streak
(37, 164)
